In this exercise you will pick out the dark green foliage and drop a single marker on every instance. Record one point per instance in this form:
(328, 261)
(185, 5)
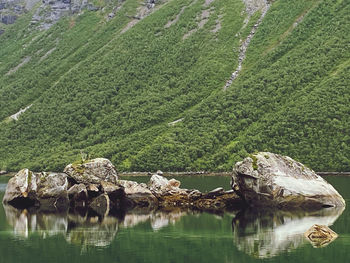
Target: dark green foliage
(112, 94)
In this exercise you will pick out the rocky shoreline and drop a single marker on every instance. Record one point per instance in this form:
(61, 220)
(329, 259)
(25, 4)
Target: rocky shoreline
(262, 180)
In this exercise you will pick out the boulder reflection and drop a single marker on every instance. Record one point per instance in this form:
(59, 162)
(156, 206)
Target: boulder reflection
(24, 223)
(157, 219)
(265, 234)
(82, 228)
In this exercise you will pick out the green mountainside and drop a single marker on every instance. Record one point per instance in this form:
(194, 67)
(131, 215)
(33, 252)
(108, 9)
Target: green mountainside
(145, 87)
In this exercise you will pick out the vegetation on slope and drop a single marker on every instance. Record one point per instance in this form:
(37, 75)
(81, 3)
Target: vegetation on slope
(112, 94)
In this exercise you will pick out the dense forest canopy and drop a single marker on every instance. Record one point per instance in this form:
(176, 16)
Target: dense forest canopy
(148, 93)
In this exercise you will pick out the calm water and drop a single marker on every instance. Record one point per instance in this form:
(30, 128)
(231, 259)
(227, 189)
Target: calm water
(173, 237)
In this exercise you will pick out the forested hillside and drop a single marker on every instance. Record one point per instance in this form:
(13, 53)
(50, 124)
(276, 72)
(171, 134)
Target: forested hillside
(144, 85)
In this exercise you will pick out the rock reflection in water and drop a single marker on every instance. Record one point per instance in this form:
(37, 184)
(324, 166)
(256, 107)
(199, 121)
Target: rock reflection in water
(24, 223)
(158, 218)
(84, 229)
(266, 234)
(91, 231)
(77, 229)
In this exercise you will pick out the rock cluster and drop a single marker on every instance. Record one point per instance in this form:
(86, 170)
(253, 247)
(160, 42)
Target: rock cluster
(48, 13)
(94, 185)
(90, 199)
(263, 180)
(169, 193)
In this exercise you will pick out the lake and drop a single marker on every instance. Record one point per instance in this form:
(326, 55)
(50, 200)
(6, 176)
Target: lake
(173, 236)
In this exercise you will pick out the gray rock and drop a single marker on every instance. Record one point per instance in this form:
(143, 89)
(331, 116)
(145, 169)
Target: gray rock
(138, 194)
(114, 192)
(194, 194)
(101, 205)
(169, 194)
(92, 187)
(91, 7)
(108, 187)
(217, 191)
(92, 171)
(92, 190)
(8, 19)
(161, 186)
(18, 9)
(52, 191)
(78, 194)
(271, 180)
(45, 190)
(2, 171)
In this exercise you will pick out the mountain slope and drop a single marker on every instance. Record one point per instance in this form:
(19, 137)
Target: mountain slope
(145, 87)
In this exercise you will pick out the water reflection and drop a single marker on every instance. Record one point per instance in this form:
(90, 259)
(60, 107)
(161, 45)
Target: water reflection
(266, 234)
(83, 229)
(259, 234)
(158, 219)
(25, 223)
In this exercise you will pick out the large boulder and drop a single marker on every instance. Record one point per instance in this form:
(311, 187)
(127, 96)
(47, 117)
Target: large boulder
(45, 190)
(92, 171)
(271, 180)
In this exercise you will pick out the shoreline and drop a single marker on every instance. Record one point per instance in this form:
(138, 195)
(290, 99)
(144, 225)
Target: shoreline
(167, 174)
(199, 173)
